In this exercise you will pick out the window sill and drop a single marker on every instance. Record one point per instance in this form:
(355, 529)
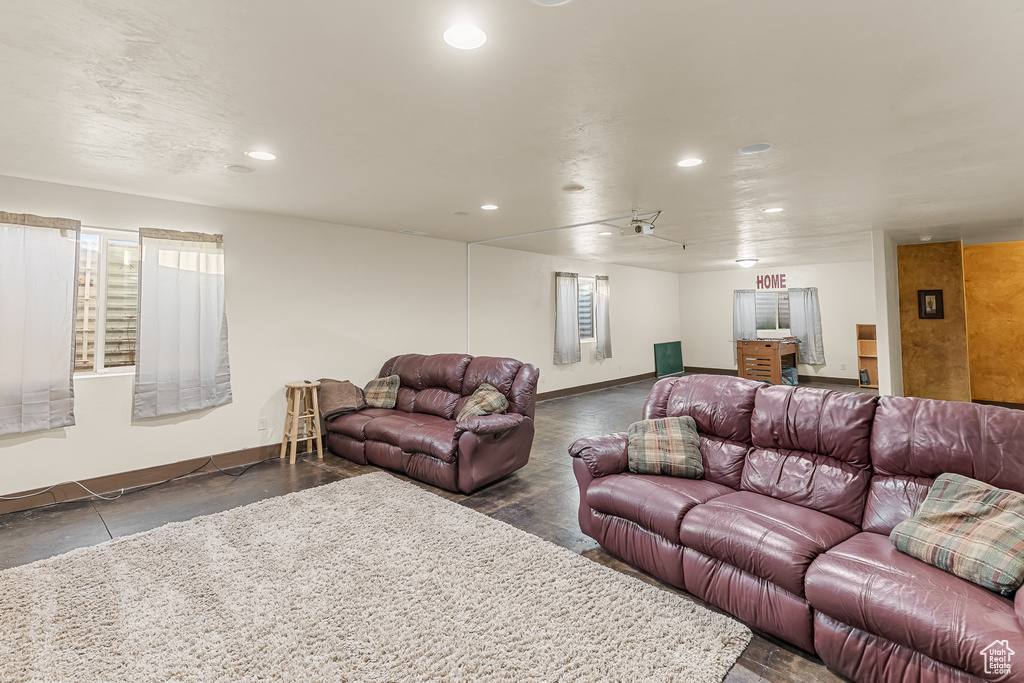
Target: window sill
(119, 372)
(592, 340)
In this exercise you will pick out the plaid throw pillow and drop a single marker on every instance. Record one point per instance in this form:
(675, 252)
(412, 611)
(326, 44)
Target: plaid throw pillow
(486, 400)
(382, 392)
(970, 529)
(667, 446)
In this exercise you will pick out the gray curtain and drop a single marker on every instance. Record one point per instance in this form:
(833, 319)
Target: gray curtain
(567, 325)
(744, 315)
(602, 322)
(805, 324)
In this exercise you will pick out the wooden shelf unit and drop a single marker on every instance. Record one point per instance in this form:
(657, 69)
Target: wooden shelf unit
(867, 355)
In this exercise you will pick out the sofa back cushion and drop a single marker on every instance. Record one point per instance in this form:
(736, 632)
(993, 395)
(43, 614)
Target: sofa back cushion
(721, 407)
(429, 384)
(812, 448)
(440, 384)
(914, 440)
(517, 381)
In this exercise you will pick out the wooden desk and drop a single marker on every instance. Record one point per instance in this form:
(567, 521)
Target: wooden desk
(762, 360)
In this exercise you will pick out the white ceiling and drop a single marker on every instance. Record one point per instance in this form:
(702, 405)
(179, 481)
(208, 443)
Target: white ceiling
(904, 116)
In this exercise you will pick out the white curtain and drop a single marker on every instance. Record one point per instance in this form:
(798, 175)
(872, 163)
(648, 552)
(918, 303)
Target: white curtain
(567, 325)
(744, 314)
(38, 294)
(182, 355)
(602, 321)
(805, 324)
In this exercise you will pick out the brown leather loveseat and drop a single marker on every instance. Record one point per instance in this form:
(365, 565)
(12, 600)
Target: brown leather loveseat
(420, 436)
(789, 528)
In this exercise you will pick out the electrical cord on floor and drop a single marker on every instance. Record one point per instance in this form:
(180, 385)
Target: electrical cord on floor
(209, 461)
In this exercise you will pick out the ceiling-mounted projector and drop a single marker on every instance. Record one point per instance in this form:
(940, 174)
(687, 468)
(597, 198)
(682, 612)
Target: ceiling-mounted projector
(641, 227)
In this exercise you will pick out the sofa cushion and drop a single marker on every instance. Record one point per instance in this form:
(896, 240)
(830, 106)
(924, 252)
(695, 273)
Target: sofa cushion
(500, 373)
(720, 407)
(915, 440)
(668, 446)
(811, 448)
(486, 400)
(354, 424)
(867, 583)
(970, 529)
(388, 429)
(655, 503)
(836, 424)
(435, 401)
(891, 500)
(924, 438)
(418, 372)
(763, 536)
(813, 481)
(437, 440)
(382, 392)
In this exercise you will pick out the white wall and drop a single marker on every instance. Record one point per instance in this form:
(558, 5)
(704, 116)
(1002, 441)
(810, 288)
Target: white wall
(887, 312)
(845, 293)
(304, 300)
(512, 313)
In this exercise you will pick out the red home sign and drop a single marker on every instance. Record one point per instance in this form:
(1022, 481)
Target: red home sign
(771, 281)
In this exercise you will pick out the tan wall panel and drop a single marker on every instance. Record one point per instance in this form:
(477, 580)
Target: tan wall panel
(994, 290)
(934, 351)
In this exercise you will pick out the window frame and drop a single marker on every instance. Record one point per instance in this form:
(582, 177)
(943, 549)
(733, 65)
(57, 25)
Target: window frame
(105, 235)
(776, 329)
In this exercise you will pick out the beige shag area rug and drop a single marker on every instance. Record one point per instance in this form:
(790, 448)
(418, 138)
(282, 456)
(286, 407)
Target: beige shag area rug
(365, 579)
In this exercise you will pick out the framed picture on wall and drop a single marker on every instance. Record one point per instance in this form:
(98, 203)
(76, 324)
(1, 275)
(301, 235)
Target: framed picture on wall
(929, 304)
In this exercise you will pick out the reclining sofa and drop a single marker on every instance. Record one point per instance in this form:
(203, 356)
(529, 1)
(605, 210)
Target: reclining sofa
(788, 529)
(420, 436)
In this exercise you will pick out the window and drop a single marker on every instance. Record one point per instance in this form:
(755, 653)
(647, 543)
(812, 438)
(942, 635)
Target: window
(586, 308)
(772, 310)
(108, 286)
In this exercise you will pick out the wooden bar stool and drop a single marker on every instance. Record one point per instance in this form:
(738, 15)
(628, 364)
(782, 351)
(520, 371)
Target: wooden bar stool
(302, 407)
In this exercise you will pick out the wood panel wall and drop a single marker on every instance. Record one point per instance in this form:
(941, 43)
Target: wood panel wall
(994, 292)
(935, 359)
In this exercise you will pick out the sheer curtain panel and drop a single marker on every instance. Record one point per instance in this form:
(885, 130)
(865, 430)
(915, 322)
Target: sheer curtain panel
(744, 315)
(567, 323)
(38, 294)
(602, 321)
(182, 350)
(805, 324)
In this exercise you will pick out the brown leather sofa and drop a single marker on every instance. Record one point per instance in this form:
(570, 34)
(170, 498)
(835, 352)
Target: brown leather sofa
(420, 436)
(788, 530)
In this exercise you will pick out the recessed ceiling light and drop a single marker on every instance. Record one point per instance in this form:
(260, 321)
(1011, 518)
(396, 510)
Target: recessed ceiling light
(462, 213)
(926, 238)
(605, 233)
(465, 37)
(573, 187)
(412, 232)
(489, 207)
(756, 148)
(262, 156)
(746, 262)
(238, 168)
(774, 209)
(692, 161)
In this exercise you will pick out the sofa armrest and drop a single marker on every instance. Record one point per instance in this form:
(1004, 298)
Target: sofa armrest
(1018, 605)
(488, 424)
(603, 455)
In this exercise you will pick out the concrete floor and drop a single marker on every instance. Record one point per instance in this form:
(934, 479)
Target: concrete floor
(542, 498)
